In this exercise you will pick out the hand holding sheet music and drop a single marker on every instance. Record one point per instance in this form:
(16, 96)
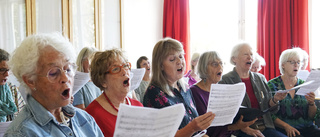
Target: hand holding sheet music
(301, 85)
(136, 121)
(224, 101)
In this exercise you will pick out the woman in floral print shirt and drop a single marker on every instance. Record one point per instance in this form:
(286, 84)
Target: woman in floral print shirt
(167, 87)
(297, 113)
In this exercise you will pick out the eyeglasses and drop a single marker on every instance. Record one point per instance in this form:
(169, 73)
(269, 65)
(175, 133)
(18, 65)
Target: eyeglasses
(54, 73)
(292, 62)
(3, 71)
(216, 64)
(117, 69)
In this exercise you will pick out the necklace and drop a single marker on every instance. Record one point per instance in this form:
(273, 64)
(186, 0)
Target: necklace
(128, 101)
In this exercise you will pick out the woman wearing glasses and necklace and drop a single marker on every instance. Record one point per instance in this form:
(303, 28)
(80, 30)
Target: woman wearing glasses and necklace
(297, 113)
(44, 66)
(110, 71)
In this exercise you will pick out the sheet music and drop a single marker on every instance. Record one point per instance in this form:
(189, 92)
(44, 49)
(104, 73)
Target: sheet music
(314, 76)
(136, 121)
(301, 85)
(137, 78)
(3, 127)
(303, 74)
(80, 79)
(225, 101)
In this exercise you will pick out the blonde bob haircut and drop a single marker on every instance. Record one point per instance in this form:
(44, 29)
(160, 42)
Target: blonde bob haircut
(101, 62)
(160, 52)
(84, 54)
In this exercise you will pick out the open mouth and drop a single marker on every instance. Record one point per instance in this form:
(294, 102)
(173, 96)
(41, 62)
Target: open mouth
(65, 93)
(148, 69)
(180, 70)
(295, 70)
(4, 80)
(126, 83)
(219, 73)
(249, 63)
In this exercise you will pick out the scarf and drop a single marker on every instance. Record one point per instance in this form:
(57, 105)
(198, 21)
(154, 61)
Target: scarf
(7, 105)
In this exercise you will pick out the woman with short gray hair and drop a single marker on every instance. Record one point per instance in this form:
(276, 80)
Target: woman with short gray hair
(297, 112)
(45, 65)
(257, 91)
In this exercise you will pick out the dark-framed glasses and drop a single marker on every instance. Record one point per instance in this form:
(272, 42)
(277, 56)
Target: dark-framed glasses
(292, 62)
(55, 73)
(117, 69)
(4, 71)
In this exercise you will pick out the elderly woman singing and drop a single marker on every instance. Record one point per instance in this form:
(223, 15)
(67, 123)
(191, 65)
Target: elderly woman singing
(45, 65)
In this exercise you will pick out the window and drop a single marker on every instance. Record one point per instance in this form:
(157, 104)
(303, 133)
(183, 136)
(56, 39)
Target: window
(219, 25)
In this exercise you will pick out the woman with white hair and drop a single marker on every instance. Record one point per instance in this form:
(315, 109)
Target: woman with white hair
(89, 91)
(257, 91)
(257, 63)
(297, 112)
(45, 65)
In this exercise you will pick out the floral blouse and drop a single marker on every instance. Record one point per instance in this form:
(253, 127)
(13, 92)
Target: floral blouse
(292, 111)
(156, 98)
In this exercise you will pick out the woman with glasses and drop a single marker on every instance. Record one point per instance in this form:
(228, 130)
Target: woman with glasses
(9, 93)
(296, 113)
(89, 91)
(44, 64)
(167, 87)
(110, 71)
(257, 92)
(210, 68)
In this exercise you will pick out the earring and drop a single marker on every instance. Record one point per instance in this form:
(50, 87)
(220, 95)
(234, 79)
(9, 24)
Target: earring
(204, 80)
(34, 89)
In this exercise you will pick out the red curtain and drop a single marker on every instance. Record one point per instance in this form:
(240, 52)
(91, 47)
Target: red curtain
(282, 24)
(176, 24)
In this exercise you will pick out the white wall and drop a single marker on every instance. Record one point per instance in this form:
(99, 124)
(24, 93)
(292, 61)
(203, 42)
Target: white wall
(141, 27)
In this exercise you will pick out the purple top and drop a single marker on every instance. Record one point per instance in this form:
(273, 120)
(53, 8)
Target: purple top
(201, 98)
(191, 80)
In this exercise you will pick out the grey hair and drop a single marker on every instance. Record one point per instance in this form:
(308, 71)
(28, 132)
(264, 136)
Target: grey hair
(4, 55)
(84, 54)
(25, 57)
(194, 57)
(160, 51)
(236, 50)
(286, 55)
(205, 59)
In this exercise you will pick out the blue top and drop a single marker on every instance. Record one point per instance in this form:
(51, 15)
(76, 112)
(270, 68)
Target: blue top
(86, 94)
(34, 120)
(7, 105)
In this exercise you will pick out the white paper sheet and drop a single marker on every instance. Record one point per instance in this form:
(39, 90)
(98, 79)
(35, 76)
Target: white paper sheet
(225, 101)
(3, 127)
(137, 78)
(301, 85)
(80, 79)
(135, 121)
(303, 74)
(313, 86)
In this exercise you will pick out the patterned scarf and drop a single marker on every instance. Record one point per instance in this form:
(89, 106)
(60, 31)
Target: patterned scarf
(7, 105)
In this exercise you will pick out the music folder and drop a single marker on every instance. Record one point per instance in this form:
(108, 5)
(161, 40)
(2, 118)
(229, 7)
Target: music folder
(250, 114)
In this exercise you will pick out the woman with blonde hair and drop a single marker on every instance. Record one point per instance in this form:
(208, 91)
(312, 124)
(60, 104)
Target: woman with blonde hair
(89, 91)
(191, 74)
(167, 87)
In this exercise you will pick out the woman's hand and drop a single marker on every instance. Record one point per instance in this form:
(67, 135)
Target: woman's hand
(310, 97)
(202, 122)
(291, 131)
(279, 96)
(240, 124)
(252, 132)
